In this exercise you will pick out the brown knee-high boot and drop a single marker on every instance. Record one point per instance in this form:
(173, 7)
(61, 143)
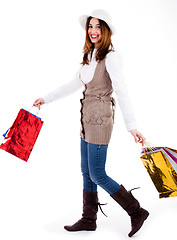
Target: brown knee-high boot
(137, 214)
(89, 215)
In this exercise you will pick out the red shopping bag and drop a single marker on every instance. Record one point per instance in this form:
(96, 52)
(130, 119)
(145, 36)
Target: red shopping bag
(21, 137)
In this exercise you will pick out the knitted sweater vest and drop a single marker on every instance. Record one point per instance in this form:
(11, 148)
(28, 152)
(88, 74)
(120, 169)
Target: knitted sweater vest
(97, 107)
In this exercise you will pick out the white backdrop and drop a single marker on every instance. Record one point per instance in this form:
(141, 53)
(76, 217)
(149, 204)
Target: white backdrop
(41, 45)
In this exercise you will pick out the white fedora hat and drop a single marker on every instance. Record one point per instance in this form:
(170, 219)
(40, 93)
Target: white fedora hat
(100, 14)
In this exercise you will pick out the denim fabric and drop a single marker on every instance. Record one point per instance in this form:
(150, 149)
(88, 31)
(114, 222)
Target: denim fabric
(93, 160)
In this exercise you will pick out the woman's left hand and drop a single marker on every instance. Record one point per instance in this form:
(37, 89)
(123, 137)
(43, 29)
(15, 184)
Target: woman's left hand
(138, 136)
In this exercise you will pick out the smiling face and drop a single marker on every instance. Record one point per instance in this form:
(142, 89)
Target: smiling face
(94, 31)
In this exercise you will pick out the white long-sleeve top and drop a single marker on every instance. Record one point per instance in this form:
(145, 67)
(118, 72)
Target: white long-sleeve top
(85, 75)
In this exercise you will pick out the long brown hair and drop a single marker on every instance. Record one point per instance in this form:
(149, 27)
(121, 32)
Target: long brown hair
(105, 45)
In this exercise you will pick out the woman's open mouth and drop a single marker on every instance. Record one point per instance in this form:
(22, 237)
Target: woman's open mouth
(94, 36)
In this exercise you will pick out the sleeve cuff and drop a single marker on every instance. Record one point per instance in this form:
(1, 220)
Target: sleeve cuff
(47, 99)
(131, 126)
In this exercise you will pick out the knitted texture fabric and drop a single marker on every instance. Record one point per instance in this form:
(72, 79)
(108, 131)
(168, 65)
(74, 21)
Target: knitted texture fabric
(97, 107)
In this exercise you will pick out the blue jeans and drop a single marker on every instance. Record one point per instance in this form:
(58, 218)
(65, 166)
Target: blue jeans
(93, 160)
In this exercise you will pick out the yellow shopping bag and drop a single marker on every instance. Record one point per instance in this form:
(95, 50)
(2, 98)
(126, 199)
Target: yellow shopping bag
(161, 169)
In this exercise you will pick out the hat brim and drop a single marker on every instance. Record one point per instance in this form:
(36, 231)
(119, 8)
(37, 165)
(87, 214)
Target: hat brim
(83, 20)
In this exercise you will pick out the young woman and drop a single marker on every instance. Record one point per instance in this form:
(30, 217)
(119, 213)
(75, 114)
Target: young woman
(100, 73)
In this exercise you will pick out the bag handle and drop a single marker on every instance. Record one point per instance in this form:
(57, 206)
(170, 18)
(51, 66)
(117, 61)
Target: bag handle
(36, 115)
(148, 147)
(29, 110)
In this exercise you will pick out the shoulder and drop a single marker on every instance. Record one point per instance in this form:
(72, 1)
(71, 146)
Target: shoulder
(113, 57)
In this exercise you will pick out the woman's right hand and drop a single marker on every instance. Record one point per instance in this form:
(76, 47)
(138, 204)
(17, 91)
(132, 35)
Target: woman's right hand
(39, 102)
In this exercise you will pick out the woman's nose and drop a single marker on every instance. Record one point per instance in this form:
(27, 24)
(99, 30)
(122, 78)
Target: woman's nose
(94, 30)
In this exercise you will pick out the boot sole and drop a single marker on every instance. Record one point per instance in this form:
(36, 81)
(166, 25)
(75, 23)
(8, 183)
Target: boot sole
(78, 230)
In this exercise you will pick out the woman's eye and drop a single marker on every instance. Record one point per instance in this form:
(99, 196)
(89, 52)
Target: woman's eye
(98, 26)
